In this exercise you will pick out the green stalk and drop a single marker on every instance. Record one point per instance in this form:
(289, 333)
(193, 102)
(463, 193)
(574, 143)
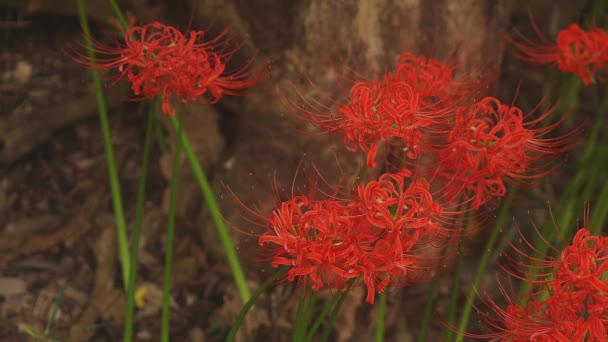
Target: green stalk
(121, 229)
(380, 317)
(468, 306)
(428, 310)
(449, 333)
(139, 208)
(299, 327)
(249, 304)
(334, 314)
(598, 218)
(304, 314)
(119, 15)
(308, 312)
(428, 307)
(160, 138)
(216, 216)
(171, 232)
(321, 317)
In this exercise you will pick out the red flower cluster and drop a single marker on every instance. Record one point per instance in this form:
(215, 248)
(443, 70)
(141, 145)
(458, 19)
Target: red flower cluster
(576, 51)
(490, 144)
(575, 308)
(382, 234)
(377, 236)
(475, 147)
(401, 109)
(159, 60)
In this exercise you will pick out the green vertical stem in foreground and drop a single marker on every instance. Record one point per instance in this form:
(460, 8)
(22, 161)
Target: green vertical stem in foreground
(481, 269)
(121, 230)
(216, 216)
(428, 306)
(299, 328)
(428, 310)
(380, 317)
(171, 232)
(600, 209)
(334, 314)
(317, 323)
(139, 208)
(454, 292)
(119, 15)
(249, 304)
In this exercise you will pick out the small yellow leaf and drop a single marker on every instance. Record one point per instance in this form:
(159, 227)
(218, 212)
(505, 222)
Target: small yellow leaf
(140, 296)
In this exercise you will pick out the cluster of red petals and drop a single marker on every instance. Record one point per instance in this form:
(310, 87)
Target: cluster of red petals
(489, 145)
(159, 60)
(379, 236)
(576, 305)
(584, 53)
(381, 111)
(399, 110)
(376, 237)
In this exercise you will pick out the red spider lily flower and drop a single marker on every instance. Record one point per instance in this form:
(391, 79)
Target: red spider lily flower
(575, 304)
(381, 111)
(329, 243)
(405, 220)
(159, 60)
(389, 203)
(491, 145)
(434, 83)
(400, 110)
(378, 238)
(584, 263)
(317, 239)
(576, 51)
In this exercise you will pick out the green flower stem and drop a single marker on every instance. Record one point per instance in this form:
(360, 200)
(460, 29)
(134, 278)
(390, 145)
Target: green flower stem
(481, 269)
(428, 307)
(171, 232)
(321, 317)
(454, 292)
(598, 218)
(139, 208)
(119, 15)
(249, 304)
(123, 246)
(334, 314)
(299, 328)
(428, 310)
(216, 216)
(160, 138)
(380, 317)
(308, 312)
(306, 304)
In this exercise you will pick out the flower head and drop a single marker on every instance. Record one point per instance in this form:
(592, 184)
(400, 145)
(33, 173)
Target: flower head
(490, 145)
(159, 60)
(575, 304)
(584, 53)
(402, 109)
(377, 238)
